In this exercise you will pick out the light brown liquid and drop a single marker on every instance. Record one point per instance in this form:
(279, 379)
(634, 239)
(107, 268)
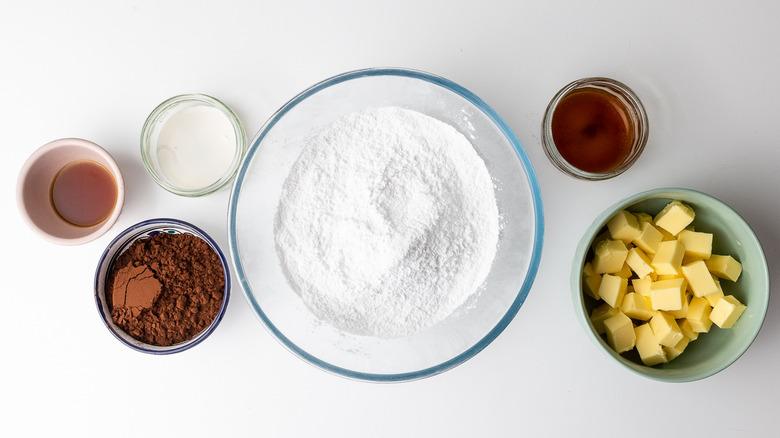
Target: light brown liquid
(592, 130)
(84, 193)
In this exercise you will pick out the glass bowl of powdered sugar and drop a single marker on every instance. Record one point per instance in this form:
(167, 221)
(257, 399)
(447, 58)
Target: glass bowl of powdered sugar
(385, 225)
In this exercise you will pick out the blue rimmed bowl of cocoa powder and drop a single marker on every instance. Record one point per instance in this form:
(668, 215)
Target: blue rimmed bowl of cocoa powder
(162, 286)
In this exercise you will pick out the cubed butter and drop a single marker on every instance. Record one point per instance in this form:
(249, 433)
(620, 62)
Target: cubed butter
(602, 236)
(623, 226)
(637, 307)
(649, 238)
(699, 278)
(650, 351)
(625, 271)
(642, 285)
(724, 266)
(588, 269)
(620, 332)
(644, 217)
(673, 352)
(609, 257)
(698, 245)
(660, 273)
(686, 329)
(714, 297)
(599, 314)
(612, 289)
(666, 236)
(639, 262)
(665, 329)
(668, 258)
(591, 285)
(727, 311)
(683, 311)
(699, 315)
(667, 294)
(674, 217)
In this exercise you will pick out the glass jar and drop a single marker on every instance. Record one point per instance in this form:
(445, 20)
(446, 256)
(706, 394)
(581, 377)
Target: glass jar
(600, 125)
(192, 145)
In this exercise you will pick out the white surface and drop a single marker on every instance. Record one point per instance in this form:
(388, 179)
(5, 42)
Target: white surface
(706, 72)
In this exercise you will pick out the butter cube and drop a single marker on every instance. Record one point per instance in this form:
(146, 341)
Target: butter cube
(602, 236)
(699, 315)
(588, 270)
(642, 285)
(639, 262)
(600, 314)
(699, 278)
(714, 297)
(612, 289)
(623, 226)
(665, 329)
(665, 235)
(698, 245)
(674, 217)
(683, 311)
(673, 352)
(637, 307)
(650, 351)
(724, 267)
(591, 285)
(610, 255)
(727, 311)
(668, 258)
(625, 271)
(686, 329)
(667, 294)
(644, 217)
(649, 237)
(620, 332)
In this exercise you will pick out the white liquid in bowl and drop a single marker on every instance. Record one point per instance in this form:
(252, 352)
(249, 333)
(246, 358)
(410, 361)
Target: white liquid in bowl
(196, 147)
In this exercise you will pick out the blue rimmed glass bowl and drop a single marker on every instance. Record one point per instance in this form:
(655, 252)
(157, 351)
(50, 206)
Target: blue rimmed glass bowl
(140, 231)
(256, 193)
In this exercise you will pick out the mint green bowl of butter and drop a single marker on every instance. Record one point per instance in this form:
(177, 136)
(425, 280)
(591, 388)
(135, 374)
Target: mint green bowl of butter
(714, 351)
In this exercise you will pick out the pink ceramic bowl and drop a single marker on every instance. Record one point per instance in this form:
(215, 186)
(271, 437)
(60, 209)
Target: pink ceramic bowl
(33, 190)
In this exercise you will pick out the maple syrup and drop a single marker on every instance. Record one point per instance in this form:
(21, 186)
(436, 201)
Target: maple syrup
(592, 130)
(84, 193)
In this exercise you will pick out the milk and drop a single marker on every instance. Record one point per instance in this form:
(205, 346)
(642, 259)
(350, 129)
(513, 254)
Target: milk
(196, 146)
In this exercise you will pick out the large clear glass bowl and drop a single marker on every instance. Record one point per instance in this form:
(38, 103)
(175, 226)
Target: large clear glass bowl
(256, 194)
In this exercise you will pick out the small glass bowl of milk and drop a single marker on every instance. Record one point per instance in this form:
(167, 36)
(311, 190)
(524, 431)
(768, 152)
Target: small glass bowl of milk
(192, 144)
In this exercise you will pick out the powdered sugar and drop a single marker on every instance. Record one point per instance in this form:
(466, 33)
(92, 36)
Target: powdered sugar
(387, 222)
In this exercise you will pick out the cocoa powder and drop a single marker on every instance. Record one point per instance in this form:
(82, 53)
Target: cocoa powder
(166, 289)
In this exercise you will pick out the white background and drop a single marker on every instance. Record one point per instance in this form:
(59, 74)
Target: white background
(707, 72)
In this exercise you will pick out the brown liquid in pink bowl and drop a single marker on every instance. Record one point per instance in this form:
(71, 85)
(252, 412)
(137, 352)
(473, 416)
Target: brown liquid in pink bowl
(39, 196)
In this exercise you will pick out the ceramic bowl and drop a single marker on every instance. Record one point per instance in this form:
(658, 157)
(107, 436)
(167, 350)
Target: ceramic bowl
(33, 190)
(256, 194)
(713, 351)
(140, 231)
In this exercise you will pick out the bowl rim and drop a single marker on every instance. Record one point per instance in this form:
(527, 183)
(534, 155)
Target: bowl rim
(98, 229)
(535, 198)
(149, 225)
(581, 250)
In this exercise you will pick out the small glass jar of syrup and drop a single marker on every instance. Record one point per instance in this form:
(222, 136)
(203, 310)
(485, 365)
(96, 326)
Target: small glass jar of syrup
(594, 129)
